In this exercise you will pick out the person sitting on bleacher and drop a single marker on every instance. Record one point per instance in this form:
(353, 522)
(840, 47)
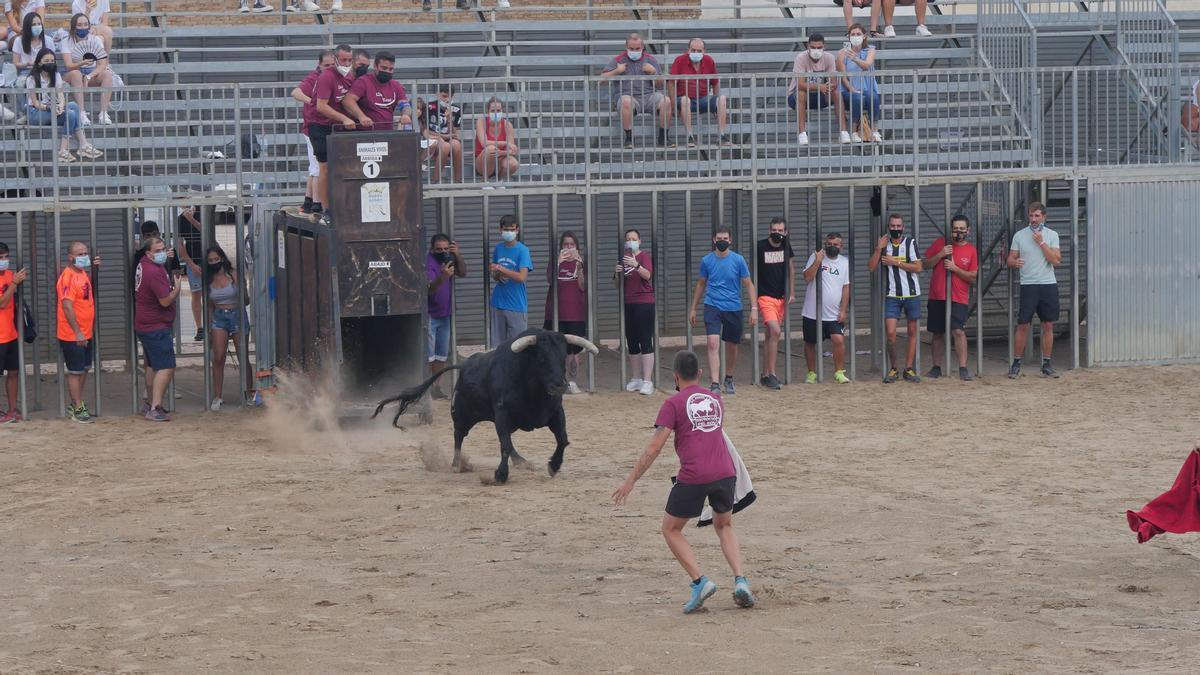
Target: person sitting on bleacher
(303, 93)
(86, 63)
(814, 85)
(1191, 110)
(889, 10)
(45, 102)
(443, 119)
(27, 45)
(14, 13)
(496, 147)
(699, 96)
(636, 91)
(97, 13)
(259, 7)
(859, 87)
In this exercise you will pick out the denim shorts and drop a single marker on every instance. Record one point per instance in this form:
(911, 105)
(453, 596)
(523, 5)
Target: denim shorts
(194, 281)
(909, 307)
(78, 360)
(438, 346)
(159, 348)
(228, 320)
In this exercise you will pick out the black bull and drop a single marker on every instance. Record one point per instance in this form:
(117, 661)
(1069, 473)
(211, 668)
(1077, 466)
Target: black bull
(518, 385)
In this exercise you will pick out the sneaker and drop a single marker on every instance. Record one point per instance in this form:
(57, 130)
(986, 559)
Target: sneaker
(502, 3)
(714, 387)
(839, 376)
(310, 6)
(911, 375)
(855, 138)
(145, 407)
(634, 385)
(802, 138)
(158, 415)
(647, 388)
(294, 7)
(691, 141)
(876, 137)
(260, 7)
(426, 5)
(891, 376)
(934, 373)
(84, 119)
(844, 137)
(628, 144)
(11, 417)
(573, 388)
(316, 209)
(964, 375)
(103, 119)
(1049, 371)
(7, 115)
(889, 31)
(811, 378)
(665, 141)
(775, 380)
(729, 390)
(726, 141)
(923, 31)
(742, 597)
(1014, 371)
(199, 337)
(702, 589)
(216, 404)
(462, 4)
(767, 382)
(81, 414)
(90, 152)
(243, 8)
(66, 157)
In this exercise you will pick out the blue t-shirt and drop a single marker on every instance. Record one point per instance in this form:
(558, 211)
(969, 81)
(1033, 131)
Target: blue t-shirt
(509, 294)
(724, 275)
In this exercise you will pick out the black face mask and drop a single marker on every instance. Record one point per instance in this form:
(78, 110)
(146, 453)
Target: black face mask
(832, 251)
(213, 268)
(49, 68)
(722, 246)
(896, 234)
(959, 236)
(360, 70)
(382, 77)
(776, 238)
(442, 256)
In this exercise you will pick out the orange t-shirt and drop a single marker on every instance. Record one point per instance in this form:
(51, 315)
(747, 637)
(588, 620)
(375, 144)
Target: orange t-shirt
(76, 286)
(8, 329)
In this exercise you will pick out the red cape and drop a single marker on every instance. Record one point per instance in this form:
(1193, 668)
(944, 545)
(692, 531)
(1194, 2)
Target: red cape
(1177, 510)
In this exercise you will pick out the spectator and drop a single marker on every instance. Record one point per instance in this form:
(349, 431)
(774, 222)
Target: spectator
(443, 119)
(378, 100)
(303, 93)
(305, 6)
(150, 229)
(833, 268)
(569, 276)
(637, 268)
(903, 292)
(962, 260)
(699, 96)
(31, 42)
(636, 91)
(227, 317)
(97, 14)
(86, 62)
(76, 301)
(511, 265)
(8, 79)
(259, 7)
(154, 297)
(331, 87)
(859, 87)
(465, 4)
(1191, 110)
(9, 347)
(496, 149)
(429, 140)
(889, 10)
(776, 291)
(443, 264)
(1034, 251)
(720, 273)
(16, 13)
(45, 103)
(814, 85)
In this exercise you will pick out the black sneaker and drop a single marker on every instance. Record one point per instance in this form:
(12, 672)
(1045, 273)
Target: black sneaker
(307, 206)
(911, 375)
(315, 209)
(770, 382)
(1014, 371)
(934, 373)
(1049, 371)
(714, 387)
(891, 376)
(462, 4)
(628, 144)
(665, 141)
(199, 337)
(765, 380)
(729, 390)
(775, 381)
(427, 5)
(964, 375)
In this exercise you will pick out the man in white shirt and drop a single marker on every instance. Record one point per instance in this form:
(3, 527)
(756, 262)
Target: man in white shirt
(833, 268)
(1034, 251)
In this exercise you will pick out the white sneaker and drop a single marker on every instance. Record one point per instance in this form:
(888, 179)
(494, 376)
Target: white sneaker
(844, 137)
(7, 115)
(260, 7)
(877, 137)
(502, 4)
(889, 31)
(216, 404)
(84, 120)
(802, 139)
(336, 6)
(310, 6)
(291, 8)
(243, 8)
(573, 388)
(923, 31)
(855, 137)
(103, 119)
(647, 388)
(634, 385)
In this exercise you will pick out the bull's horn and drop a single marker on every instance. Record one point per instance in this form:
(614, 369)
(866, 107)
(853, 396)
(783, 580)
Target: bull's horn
(522, 343)
(581, 343)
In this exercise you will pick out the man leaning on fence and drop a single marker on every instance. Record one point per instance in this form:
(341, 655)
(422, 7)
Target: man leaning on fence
(76, 297)
(635, 91)
(10, 282)
(155, 293)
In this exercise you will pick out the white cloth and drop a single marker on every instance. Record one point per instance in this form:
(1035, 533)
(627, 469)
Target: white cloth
(835, 275)
(314, 169)
(28, 6)
(743, 489)
(94, 14)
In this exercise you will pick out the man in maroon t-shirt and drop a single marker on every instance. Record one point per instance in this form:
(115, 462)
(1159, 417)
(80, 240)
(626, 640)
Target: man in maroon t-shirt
(375, 99)
(706, 472)
(154, 296)
(699, 95)
(962, 260)
(331, 88)
(303, 93)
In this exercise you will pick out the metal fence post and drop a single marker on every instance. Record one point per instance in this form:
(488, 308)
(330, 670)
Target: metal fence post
(97, 389)
(687, 257)
(853, 355)
(818, 307)
(22, 401)
(1012, 205)
(787, 309)
(1075, 286)
(948, 333)
(487, 276)
(656, 275)
(589, 229)
(52, 269)
(622, 346)
(132, 363)
(978, 287)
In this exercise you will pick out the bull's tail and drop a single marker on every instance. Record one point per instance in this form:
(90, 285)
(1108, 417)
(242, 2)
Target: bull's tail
(410, 396)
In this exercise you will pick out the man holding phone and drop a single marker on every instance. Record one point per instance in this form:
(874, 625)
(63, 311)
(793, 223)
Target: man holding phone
(442, 265)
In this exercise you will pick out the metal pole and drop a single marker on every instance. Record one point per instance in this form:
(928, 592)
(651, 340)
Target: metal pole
(850, 309)
(947, 336)
(242, 340)
(756, 365)
(554, 257)
(21, 393)
(589, 229)
(718, 217)
(622, 353)
(1012, 205)
(1074, 273)
(208, 219)
(687, 255)
(656, 275)
(62, 378)
(787, 309)
(978, 287)
(132, 362)
(487, 276)
(449, 206)
(879, 284)
(818, 222)
(35, 268)
(96, 361)
(916, 207)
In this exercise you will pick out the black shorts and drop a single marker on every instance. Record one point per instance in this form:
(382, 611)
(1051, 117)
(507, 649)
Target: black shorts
(639, 328)
(936, 322)
(577, 328)
(78, 360)
(318, 134)
(831, 328)
(727, 323)
(9, 359)
(1039, 298)
(687, 501)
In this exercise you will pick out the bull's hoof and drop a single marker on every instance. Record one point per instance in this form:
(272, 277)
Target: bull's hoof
(499, 477)
(461, 466)
(553, 469)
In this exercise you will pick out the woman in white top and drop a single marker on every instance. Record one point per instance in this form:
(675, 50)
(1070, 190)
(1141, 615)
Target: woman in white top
(14, 13)
(31, 41)
(97, 13)
(86, 62)
(46, 102)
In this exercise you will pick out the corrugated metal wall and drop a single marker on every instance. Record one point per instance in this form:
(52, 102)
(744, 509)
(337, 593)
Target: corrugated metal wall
(1143, 270)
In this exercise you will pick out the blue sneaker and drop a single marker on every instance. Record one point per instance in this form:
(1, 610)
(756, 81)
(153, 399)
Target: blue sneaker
(701, 591)
(742, 596)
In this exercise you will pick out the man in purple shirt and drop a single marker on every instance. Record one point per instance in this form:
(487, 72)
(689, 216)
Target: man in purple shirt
(154, 297)
(442, 264)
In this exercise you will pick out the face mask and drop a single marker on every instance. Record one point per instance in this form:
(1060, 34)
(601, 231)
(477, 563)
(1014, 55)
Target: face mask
(382, 77)
(816, 53)
(3, 265)
(832, 251)
(49, 68)
(213, 268)
(81, 33)
(959, 236)
(856, 41)
(696, 57)
(496, 117)
(344, 70)
(360, 70)
(634, 55)
(722, 246)
(776, 238)
(442, 256)
(896, 234)
(633, 246)
(36, 30)
(159, 258)
(83, 261)
(508, 235)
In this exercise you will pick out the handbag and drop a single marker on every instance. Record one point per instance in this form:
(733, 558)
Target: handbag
(26, 316)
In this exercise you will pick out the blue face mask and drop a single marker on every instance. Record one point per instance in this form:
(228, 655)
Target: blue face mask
(83, 261)
(36, 30)
(696, 57)
(508, 235)
(159, 258)
(81, 33)
(3, 265)
(496, 117)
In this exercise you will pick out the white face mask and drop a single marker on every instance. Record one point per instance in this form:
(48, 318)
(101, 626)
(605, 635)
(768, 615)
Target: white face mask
(816, 53)
(696, 57)
(634, 55)
(856, 41)
(344, 70)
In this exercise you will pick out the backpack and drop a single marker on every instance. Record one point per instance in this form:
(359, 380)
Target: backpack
(252, 146)
(26, 316)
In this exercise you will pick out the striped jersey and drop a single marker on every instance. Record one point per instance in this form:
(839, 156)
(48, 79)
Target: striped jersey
(901, 284)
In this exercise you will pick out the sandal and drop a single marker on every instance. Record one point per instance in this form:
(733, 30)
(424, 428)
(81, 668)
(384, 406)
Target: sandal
(90, 152)
(66, 157)
(875, 34)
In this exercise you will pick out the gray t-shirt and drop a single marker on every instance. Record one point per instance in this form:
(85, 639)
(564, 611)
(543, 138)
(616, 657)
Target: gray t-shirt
(633, 82)
(1037, 269)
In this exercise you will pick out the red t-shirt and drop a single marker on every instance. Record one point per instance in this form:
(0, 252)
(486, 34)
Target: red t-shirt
(307, 86)
(693, 89)
(572, 299)
(151, 282)
(332, 86)
(8, 329)
(967, 259)
(695, 416)
(639, 291)
(379, 101)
